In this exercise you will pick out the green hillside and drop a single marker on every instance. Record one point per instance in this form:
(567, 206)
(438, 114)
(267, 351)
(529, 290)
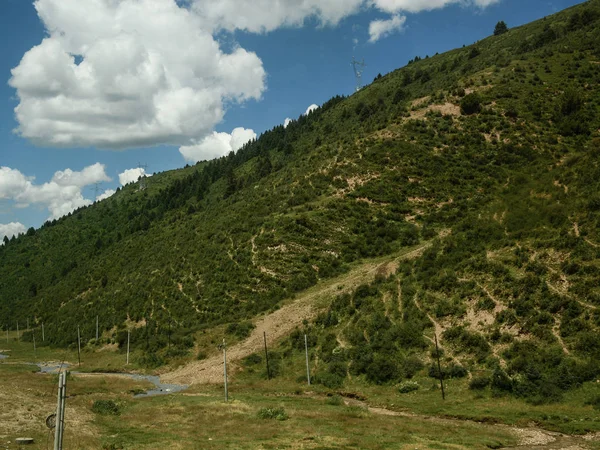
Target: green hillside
(489, 151)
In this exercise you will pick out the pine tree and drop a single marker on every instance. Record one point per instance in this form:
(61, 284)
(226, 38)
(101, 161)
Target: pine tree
(501, 28)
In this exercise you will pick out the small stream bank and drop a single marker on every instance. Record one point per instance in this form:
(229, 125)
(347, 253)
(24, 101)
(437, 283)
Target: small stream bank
(159, 388)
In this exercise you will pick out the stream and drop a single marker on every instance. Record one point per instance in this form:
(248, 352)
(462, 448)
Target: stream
(159, 388)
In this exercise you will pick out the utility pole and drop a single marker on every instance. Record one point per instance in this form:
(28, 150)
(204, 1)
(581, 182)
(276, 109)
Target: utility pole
(128, 338)
(78, 345)
(306, 351)
(18, 339)
(60, 411)
(267, 355)
(437, 352)
(224, 345)
(169, 345)
(43, 335)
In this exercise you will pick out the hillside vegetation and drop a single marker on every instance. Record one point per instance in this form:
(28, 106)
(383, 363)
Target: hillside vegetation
(489, 151)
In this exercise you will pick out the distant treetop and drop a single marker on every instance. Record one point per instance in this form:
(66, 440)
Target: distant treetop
(501, 28)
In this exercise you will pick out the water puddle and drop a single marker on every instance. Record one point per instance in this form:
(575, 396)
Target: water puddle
(160, 388)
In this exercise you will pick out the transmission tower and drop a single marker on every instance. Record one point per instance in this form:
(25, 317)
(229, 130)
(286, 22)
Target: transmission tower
(143, 181)
(359, 67)
(96, 189)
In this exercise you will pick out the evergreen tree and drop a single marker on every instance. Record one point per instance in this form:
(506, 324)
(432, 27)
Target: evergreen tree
(501, 28)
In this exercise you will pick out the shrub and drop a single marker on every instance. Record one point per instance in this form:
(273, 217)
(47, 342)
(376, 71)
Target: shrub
(329, 380)
(470, 104)
(252, 360)
(106, 407)
(240, 329)
(594, 401)
(335, 400)
(479, 383)
(272, 413)
(408, 386)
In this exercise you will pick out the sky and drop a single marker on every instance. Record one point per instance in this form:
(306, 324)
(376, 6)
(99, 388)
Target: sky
(93, 93)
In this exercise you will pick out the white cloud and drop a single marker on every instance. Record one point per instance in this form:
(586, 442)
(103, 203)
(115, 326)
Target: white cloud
(10, 229)
(381, 28)
(89, 175)
(12, 182)
(415, 6)
(61, 195)
(217, 145)
(310, 109)
(150, 73)
(286, 122)
(134, 73)
(105, 195)
(131, 175)
(259, 16)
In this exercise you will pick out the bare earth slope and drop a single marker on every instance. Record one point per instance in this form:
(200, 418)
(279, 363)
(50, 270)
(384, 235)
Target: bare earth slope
(282, 322)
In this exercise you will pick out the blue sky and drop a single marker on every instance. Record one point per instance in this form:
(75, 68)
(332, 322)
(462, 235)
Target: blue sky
(284, 60)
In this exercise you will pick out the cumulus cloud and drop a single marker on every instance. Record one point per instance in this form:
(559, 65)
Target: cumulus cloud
(310, 109)
(286, 122)
(131, 175)
(133, 73)
(381, 28)
(10, 229)
(128, 73)
(61, 195)
(260, 16)
(105, 195)
(415, 6)
(217, 144)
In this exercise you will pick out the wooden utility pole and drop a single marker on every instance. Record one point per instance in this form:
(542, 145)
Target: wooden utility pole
(225, 369)
(60, 411)
(437, 352)
(267, 355)
(43, 335)
(78, 345)
(128, 339)
(307, 366)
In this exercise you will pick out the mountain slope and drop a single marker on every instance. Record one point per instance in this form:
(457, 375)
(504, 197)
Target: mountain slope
(494, 147)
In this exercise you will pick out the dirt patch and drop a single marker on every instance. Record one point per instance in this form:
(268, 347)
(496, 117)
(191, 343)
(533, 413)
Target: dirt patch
(420, 101)
(447, 109)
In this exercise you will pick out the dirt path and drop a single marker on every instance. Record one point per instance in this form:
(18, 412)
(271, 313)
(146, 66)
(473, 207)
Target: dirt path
(282, 322)
(529, 438)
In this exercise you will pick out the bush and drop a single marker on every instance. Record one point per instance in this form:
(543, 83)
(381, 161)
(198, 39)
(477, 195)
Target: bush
(252, 360)
(594, 401)
(106, 408)
(329, 380)
(272, 413)
(240, 329)
(479, 383)
(335, 400)
(470, 104)
(408, 386)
